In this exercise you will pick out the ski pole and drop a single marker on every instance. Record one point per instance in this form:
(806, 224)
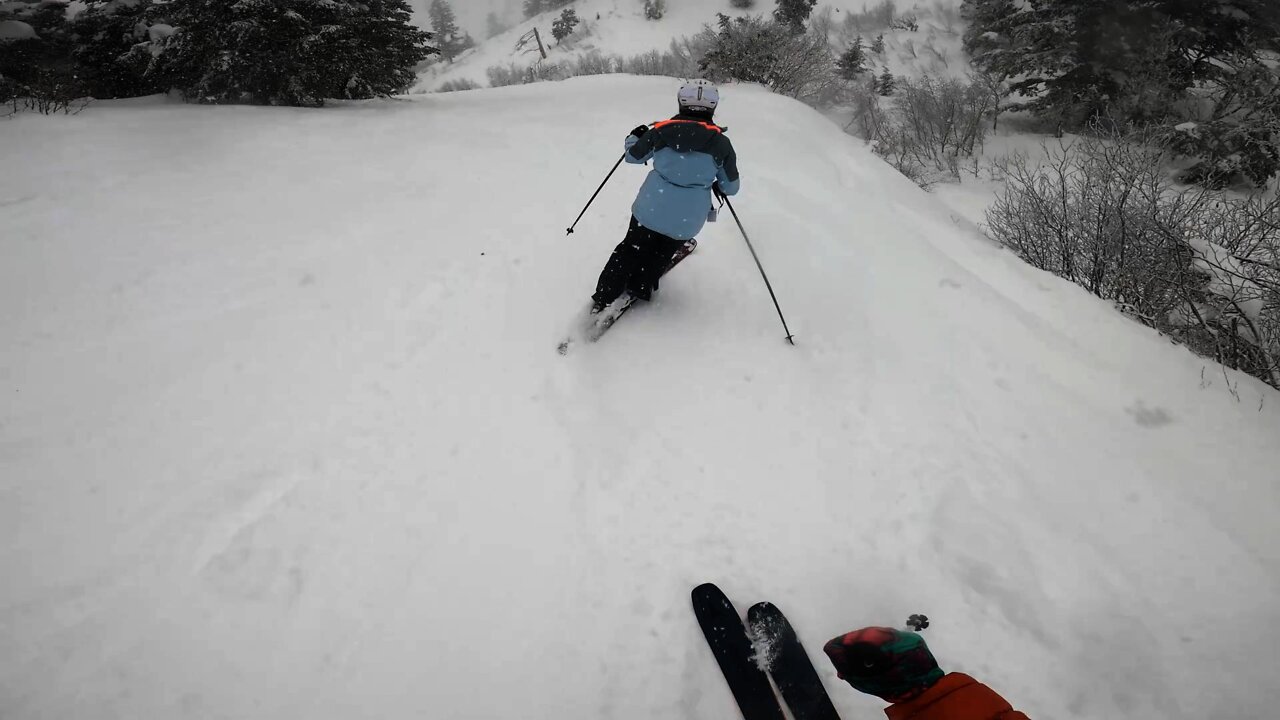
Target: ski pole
(593, 197)
(790, 337)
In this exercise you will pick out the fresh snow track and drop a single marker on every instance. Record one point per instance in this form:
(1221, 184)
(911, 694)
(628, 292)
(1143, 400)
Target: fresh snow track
(285, 434)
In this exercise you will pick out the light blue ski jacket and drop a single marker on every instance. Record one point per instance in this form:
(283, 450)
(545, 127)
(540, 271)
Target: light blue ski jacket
(688, 156)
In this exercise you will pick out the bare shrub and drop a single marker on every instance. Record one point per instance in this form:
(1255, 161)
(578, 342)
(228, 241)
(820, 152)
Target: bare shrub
(458, 85)
(650, 63)
(1237, 243)
(823, 24)
(744, 49)
(512, 74)
(930, 126)
(947, 117)
(940, 59)
(688, 52)
(48, 92)
(878, 17)
(948, 16)
(595, 63)
(762, 51)
(1192, 263)
(869, 117)
(906, 23)
(668, 64)
(997, 88)
(674, 63)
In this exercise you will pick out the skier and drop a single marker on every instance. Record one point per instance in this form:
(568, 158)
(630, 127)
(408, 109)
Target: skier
(692, 159)
(897, 666)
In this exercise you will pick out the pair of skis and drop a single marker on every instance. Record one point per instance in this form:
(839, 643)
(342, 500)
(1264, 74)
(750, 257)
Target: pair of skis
(598, 324)
(751, 653)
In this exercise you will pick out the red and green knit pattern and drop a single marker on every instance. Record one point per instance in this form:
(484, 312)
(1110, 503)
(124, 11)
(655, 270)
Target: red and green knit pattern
(888, 663)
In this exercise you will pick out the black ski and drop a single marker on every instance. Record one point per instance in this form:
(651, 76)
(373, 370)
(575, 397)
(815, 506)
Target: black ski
(598, 325)
(780, 651)
(731, 646)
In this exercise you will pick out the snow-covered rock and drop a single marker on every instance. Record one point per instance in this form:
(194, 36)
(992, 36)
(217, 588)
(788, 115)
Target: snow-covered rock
(11, 30)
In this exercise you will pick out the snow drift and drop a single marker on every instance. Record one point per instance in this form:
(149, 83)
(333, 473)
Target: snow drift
(285, 434)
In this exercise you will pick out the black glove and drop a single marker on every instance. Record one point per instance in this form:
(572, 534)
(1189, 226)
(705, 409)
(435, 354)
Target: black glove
(640, 131)
(715, 190)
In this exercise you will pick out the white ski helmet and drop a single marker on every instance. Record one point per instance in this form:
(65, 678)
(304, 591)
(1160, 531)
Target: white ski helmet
(699, 95)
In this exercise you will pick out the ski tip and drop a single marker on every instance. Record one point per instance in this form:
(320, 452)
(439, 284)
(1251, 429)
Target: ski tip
(709, 594)
(706, 588)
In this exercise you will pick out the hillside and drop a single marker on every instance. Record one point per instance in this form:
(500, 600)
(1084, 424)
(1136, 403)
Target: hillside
(618, 27)
(285, 433)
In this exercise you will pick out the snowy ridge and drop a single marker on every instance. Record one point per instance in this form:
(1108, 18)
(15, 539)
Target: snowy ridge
(618, 27)
(285, 433)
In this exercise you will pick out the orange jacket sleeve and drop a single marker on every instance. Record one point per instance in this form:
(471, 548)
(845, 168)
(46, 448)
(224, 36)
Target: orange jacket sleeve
(955, 697)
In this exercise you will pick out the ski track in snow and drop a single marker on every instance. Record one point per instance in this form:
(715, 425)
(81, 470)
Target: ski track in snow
(285, 433)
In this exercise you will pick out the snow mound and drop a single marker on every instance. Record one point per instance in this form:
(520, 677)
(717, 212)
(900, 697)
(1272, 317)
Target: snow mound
(11, 30)
(285, 433)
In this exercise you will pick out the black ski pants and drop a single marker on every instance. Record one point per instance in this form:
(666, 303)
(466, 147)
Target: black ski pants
(636, 264)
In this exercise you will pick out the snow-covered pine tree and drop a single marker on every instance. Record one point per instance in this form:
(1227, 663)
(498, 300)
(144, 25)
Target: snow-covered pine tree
(877, 45)
(112, 48)
(986, 31)
(886, 84)
(35, 56)
(563, 26)
(444, 26)
(1239, 135)
(1130, 63)
(852, 62)
(290, 52)
(494, 25)
(381, 50)
(794, 13)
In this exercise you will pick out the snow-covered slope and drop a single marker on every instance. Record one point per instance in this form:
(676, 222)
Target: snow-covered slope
(472, 14)
(618, 27)
(285, 434)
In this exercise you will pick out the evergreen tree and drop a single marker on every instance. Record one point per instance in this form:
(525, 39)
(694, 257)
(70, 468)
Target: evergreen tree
(877, 46)
(794, 13)
(886, 84)
(744, 49)
(1138, 62)
(444, 26)
(564, 25)
(290, 52)
(494, 25)
(852, 63)
(113, 48)
(36, 56)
